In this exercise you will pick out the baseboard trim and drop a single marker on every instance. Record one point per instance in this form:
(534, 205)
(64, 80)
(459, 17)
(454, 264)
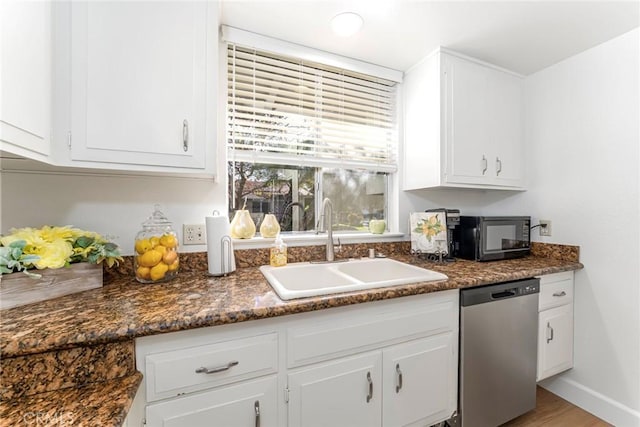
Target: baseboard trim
(591, 401)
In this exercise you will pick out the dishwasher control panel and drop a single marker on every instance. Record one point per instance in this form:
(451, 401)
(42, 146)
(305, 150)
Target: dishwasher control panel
(533, 288)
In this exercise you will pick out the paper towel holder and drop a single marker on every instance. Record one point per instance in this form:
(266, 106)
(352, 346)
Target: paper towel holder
(227, 263)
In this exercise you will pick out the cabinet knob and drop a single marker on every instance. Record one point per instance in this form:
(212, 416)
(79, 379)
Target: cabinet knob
(559, 294)
(370, 382)
(185, 135)
(549, 333)
(498, 166)
(203, 370)
(256, 407)
(484, 164)
(398, 378)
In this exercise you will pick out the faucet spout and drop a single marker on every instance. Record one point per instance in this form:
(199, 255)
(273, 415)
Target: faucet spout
(327, 214)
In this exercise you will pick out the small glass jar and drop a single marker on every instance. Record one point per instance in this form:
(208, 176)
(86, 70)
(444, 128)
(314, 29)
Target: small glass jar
(156, 250)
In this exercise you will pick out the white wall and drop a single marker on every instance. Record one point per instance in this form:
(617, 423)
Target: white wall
(583, 147)
(111, 205)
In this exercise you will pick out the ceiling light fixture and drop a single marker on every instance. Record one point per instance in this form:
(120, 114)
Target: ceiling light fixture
(346, 24)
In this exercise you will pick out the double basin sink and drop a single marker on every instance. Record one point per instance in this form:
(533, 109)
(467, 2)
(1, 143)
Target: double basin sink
(306, 279)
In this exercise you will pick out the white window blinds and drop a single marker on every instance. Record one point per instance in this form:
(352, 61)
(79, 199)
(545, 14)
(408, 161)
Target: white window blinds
(288, 111)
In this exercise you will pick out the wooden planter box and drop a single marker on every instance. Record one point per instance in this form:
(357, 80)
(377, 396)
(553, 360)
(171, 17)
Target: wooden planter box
(18, 289)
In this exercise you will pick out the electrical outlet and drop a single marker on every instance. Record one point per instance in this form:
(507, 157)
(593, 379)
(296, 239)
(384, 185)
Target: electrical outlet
(193, 234)
(545, 227)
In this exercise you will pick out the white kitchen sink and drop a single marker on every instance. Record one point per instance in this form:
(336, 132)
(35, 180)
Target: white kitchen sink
(305, 279)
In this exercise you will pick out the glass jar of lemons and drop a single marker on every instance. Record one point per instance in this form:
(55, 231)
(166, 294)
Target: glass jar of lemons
(156, 250)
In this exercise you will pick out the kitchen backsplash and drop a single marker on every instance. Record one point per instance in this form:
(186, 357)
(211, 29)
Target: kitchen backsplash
(197, 261)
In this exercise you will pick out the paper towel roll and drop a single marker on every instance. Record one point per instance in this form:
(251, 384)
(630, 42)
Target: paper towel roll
(219, 246)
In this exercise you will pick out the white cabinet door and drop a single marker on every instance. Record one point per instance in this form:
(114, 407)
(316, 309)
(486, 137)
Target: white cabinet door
(419, 379)
(252, 403)
(506, 161)
(345, 392)
(467, 128)
(139, 73)
(25, 78)
(555, 341)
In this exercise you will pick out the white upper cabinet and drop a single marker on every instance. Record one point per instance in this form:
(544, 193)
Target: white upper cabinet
(25, 78)
(463, 125)
(143, 85)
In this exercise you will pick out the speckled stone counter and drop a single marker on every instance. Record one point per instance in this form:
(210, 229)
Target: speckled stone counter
(124, 309)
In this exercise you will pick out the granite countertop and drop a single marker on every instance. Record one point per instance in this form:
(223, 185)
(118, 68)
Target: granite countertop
(97, 320)
(126, 309)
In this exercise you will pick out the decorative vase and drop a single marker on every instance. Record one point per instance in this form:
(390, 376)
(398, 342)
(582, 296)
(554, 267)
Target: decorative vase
(242, 225)
(17, 289)
(270, 226)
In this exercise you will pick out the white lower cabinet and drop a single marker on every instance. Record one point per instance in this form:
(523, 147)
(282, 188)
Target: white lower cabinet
(346, 392)
(417, 378)
(555, 324)
(385, 363)
(251, 403)
(408, 384)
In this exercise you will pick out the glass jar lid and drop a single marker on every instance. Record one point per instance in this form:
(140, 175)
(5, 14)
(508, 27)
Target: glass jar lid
(157, 219)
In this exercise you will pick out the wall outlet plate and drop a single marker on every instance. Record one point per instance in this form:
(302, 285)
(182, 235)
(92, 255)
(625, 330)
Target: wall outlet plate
(545, 227)
(193, 234)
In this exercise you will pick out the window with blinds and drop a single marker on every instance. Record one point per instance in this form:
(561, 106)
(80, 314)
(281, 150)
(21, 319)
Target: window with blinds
(284, 110)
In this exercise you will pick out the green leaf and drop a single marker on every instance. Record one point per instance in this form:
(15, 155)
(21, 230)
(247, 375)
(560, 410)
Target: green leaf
(110, 247)
(18, 244)
(84, 241)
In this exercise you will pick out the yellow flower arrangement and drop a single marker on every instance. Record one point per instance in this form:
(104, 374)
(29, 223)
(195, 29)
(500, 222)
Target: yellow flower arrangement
(53, 247)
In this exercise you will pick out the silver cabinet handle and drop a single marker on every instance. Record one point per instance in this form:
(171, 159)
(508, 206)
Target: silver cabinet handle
(549, 333)
(185, 135)
(484, 164)
(370, 382)
(256, 407)
(559, 294)
(203, 370)
(399, 378)
(498, 166)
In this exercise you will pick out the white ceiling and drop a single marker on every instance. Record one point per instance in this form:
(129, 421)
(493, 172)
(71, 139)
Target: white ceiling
(523, 36)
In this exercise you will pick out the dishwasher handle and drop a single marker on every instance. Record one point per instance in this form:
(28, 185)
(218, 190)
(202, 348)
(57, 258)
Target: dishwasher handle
(507, 293)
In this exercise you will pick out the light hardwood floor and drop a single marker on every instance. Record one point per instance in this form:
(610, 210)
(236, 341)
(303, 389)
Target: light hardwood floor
(553, 411)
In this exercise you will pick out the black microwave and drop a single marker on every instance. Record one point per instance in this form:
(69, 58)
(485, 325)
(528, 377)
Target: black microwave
(488, 238)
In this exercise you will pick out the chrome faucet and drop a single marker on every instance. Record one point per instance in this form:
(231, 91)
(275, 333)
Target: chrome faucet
(325, 222)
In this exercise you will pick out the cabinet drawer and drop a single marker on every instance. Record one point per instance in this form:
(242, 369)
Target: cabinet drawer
(340, 334)
(555, 291)
(250, 403)
(176, 372)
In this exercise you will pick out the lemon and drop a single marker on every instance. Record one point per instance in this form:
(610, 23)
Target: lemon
(169, 257)
(161, 249)
(174, 266)
(149, 258)
(143, 272)
(155, 240)
(158, 271)
(169, 241)
(142, 246)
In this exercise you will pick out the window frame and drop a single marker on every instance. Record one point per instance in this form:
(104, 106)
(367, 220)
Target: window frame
(234, 35)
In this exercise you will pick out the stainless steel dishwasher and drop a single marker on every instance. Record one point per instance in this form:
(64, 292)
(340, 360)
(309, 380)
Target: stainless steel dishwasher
(498, 352)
